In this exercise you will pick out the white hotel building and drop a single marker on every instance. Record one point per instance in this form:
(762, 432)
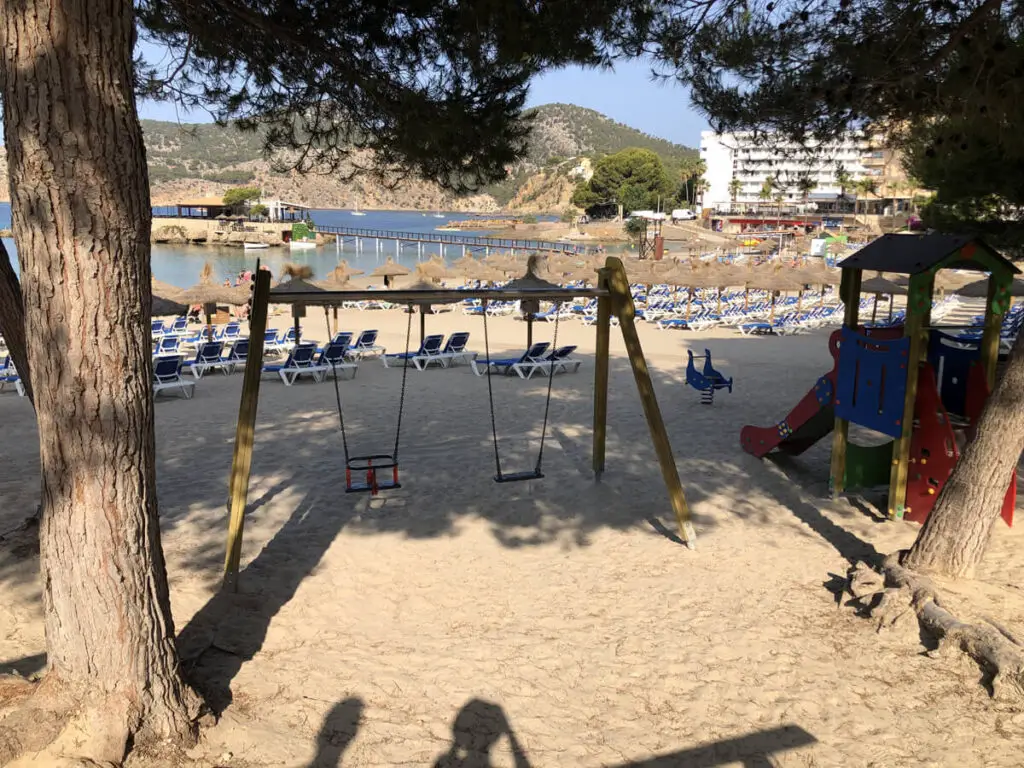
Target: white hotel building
(731, 156)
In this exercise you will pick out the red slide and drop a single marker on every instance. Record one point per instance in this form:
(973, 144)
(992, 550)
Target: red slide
(811, 419)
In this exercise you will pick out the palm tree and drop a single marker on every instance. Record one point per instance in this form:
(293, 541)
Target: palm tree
(866, 186)
(805, 184)
(844, 181)
(735, 186)
(767, 189)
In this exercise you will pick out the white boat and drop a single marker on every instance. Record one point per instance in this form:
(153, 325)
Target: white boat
(438, 215)
(302, 245)
(254, 246)
(357, 212)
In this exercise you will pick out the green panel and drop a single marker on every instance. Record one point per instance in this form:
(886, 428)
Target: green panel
(867, 466)
(975, 255)
(1001, 300)
(919, 292)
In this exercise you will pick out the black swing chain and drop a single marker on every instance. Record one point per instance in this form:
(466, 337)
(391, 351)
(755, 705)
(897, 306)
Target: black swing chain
(401, 399)
(405, 373)
(547, 402)
(551, 378)
(490, 394)
(341, 412)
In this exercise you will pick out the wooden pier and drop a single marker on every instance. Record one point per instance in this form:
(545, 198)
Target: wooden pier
(468, 243)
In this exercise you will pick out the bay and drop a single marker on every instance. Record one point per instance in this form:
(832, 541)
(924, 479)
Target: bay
(180, 264)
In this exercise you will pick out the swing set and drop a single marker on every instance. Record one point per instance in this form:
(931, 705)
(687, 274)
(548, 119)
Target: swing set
(374, 473)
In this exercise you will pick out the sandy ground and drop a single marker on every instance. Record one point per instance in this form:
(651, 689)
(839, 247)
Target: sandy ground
(556, 623)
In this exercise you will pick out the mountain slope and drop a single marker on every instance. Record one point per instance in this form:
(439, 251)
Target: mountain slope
(188, 160)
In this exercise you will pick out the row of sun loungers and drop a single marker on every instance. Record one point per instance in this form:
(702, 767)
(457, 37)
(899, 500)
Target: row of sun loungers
(536, 359)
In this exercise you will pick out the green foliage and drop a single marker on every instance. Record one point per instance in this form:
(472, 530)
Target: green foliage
(568, 216)
(947, 90)
(529, 219)
(258, 210)
(805, 184)
(636, 229)
(230, 176)
(735, 187)
(235, 196)
(433, 90)
(632, 178)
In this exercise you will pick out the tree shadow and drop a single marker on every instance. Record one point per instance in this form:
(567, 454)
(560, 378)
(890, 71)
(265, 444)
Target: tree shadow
(336, 732)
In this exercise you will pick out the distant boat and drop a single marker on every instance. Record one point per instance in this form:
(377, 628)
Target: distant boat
(302, 245)
(254, 246)
(438, 215)
(357, 212)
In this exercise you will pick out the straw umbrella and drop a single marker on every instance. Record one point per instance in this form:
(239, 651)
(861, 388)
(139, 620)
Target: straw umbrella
(878, 285)
(531, 281)
(389, 270)
(424, 282)
(776, 281)
(337, 280)
(298, 281)
(434, 270)
(207, 293)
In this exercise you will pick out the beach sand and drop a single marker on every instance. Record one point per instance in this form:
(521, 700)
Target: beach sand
(558, 620)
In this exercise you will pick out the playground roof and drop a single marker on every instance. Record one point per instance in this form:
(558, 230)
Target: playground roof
(911, 254)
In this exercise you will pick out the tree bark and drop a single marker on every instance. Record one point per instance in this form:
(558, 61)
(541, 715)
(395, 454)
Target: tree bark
(12, 319)
(81, 217)
(956, 534)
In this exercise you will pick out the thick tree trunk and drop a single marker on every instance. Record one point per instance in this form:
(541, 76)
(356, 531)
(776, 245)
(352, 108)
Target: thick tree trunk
(81, 217)
(12, 319)
(956, 534)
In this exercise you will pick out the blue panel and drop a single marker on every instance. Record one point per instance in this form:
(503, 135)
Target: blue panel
(951, 358)
(872, 381)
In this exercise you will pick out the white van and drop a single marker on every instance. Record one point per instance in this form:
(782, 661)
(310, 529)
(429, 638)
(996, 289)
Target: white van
(683, 214)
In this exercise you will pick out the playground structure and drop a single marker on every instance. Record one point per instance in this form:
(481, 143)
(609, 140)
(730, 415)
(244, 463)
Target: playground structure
(613, 300)
(915, 384)
(705, 381)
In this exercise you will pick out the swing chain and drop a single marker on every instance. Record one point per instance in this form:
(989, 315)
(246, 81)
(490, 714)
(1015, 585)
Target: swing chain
(405, 373)
(490, 394)
(341, 412)
(551, 378)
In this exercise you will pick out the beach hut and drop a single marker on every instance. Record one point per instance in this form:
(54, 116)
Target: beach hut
(389, 270)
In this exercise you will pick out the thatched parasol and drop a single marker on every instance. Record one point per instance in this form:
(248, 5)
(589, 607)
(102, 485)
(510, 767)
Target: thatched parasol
(389, 270)
(531, 281)
(161, 306)
(879, 285)
(164, 290)
(435, 269)
(295, 278)
(207, 293)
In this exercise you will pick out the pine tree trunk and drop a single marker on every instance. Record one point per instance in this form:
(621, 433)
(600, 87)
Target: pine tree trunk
(81, 217)
(12, 319)
(957, 532)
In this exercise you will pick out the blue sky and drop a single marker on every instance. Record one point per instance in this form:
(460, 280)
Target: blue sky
(626, 94)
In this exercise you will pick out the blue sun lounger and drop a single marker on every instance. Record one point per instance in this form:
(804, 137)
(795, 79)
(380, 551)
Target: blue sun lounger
(506, 364)
(429, 352)
(167, 376)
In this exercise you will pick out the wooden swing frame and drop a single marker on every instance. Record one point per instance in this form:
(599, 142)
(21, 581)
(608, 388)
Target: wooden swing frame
(613, 299)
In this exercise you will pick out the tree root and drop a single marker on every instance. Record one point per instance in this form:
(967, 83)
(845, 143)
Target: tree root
(896, 594)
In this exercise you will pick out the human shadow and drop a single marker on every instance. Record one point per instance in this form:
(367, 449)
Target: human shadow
(337, 732)
(476, 730)
(480, 725)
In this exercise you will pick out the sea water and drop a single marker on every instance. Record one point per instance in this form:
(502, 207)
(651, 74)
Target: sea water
(180, 264)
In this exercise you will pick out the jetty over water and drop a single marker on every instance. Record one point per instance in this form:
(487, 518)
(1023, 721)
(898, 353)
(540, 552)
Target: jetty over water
(468, 243)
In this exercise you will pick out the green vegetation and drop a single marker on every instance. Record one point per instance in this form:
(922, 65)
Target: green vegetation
(236, 197)
(258, 210)
(529, 219)
(633, 178)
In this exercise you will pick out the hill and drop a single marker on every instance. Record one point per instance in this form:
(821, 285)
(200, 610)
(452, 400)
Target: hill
(205, 159)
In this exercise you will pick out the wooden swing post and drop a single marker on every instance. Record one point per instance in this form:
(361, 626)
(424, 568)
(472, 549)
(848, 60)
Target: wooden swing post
(849, 292)
(241, 463)
(614, 277)
(604, 311)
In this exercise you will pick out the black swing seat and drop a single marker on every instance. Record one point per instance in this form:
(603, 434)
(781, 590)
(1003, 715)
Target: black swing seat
(369, 466)
(515, 477)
